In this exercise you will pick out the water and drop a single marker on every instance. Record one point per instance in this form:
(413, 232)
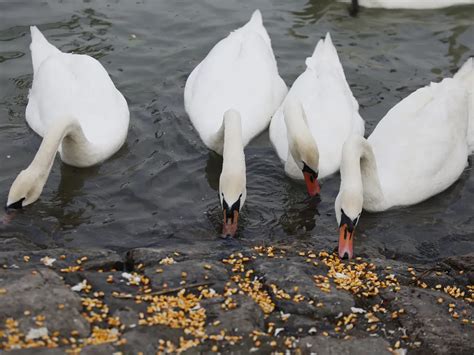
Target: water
(160, 189)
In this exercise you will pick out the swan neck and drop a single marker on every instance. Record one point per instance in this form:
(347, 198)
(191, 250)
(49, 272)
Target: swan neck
(233, 148)
(359, 172)
(29, 184)
(44, 158)
(232, 181)
(301, 143)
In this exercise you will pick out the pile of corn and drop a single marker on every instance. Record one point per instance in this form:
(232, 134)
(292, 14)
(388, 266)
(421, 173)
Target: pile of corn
(252, 287)
(357, 277)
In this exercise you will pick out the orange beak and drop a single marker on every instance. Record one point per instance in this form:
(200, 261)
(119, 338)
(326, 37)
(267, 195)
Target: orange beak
(345, 242)
(312, 184)
(229, 227)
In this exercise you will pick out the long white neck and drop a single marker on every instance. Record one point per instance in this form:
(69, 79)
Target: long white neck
(359, 175)
(233, 152)
(233, 178)
(30, 182)
(301, 144)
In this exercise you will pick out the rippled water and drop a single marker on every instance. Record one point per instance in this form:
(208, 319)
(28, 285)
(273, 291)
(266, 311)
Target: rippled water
(161, 188)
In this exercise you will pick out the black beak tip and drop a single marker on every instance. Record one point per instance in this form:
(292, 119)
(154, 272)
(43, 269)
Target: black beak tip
(18, 205)
(345, 256)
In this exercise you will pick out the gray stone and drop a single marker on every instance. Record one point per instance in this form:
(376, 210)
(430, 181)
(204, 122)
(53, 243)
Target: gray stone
(321, 345)
(197, 271)
(36, 351)
(102, 349)
(96, 258)
(247, 317)
(429, 322)
(15, 242)
(145, 338)
(289, 273)
(40, 294)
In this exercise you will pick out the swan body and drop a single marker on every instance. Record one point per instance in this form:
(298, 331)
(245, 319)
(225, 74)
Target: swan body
(328, 112)
(74, 105)
(416, 151)
(240, 72)
(411, 4)
(237, 80)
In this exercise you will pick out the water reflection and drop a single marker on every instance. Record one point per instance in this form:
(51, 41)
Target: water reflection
(300, 215)
(91, 28)
(457, 50)
(213, 169)
(71, 183)
(312, 12)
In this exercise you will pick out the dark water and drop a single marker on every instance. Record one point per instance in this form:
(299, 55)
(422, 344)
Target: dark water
(161, 188)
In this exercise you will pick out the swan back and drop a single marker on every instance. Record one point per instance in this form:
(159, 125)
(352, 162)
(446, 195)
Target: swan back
(411, 4)
(72, 85)
(240, 72)
(330, 108)
(421, 144)
(465, 78)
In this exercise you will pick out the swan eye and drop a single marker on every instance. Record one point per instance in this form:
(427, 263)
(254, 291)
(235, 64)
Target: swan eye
(313, 175)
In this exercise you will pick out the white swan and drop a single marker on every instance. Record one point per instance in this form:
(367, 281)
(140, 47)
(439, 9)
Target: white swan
(74, 105)
(416, 151)
(409, 4)
(316, 117)
(230, 98)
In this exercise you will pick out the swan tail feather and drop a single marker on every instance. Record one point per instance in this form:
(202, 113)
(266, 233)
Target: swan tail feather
(324, 52)
(40, 48)
(466, 76)
(255, 25)
(256, 18)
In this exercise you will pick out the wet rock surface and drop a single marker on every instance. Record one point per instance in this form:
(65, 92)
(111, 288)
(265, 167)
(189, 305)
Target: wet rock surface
(247, 298)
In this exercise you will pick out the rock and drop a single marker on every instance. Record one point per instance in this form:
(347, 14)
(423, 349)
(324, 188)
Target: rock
(98, 282)
(322, 345)
(96, 258)
(145, 338)
(191, 271)
(289, 273)
(15, 242)
(462, 267)
(37, 351)
(242, 320)
(386, 267)
(128, 316)
(101, 349)
(40, 294)
(429, 322)
(147, 256)
(179, 252)
(461, 262)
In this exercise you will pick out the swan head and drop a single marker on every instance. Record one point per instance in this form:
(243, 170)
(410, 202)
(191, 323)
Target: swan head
(25, 190)
(348, 208)
(302, 145)
(232, 195)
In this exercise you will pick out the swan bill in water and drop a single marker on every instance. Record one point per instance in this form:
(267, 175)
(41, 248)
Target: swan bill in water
(311, 180)
(18, 205)
(229, 227)
(231, 217)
